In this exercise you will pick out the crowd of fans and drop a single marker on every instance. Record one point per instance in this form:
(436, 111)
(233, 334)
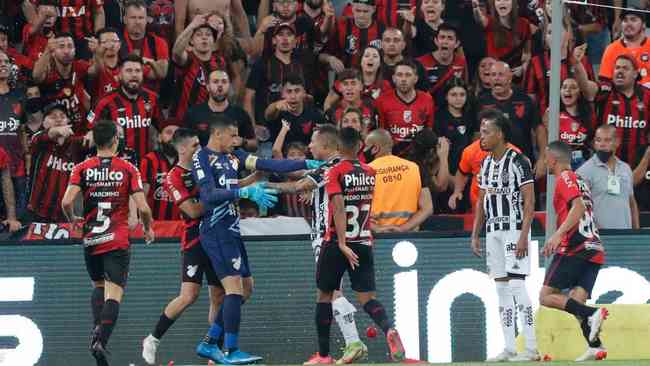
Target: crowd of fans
(416, 71)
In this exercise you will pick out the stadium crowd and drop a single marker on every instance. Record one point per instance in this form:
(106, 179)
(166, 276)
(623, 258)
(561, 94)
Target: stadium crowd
(420, 70)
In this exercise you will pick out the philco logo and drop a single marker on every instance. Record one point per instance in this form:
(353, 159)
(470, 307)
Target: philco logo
(136, 122)
(625, 122)
(359, 179)
(57, 163)
(103, 175)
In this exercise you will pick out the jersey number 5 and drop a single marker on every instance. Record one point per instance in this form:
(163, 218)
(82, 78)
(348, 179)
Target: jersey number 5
(357, 221)
(103, 217)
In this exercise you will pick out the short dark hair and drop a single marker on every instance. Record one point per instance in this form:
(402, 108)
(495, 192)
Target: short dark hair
(296, 145)
(408, 63)
(293, 79)
(349, 139)
(131, 57)
(354, 110)
(330, 133)
(499, 119)
(220, 123)
(106, 30)
(135, 3)
(347, 74)
(447, 26)
(63, 35)
(103, 133)
(181, 134)
(561, 150)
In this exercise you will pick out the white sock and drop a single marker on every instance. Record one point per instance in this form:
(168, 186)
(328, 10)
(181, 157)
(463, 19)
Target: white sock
(507, 315)
(344, 315)
(524, 312)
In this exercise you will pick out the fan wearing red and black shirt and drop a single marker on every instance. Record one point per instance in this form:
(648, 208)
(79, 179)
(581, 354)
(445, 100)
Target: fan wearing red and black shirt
(352, 35)
(35, 36)
(404, 111)
(61, 79)
(154, 168)
(107, 183)
(443, 64)
(577, 248)
(350, 87)
(55, 151)
(21, 65)
(8, 203)
(105, 71)
(133, 107)
(79, 18)
(624, 103)
(195, 64)
(184, 193)
(347, 246)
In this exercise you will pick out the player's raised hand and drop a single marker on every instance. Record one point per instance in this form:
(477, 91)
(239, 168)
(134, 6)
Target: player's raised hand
(259, 194)
(476, 247)
(551, 245)
(352, 257)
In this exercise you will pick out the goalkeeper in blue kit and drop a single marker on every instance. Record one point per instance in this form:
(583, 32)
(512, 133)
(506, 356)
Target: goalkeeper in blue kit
(216, 170)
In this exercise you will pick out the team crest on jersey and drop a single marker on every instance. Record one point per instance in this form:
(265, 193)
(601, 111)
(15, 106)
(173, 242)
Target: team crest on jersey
(645, 57)
(505, 177)
(519, 110)
(201, 77)
(234, 162)
(351, 44)
(462, 129)
(307, 127)
(408, 116)
(147, 107)
(375, 93)
(575, 126)
(640, 106)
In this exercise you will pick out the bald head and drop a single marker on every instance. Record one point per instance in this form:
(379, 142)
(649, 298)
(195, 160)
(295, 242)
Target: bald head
(379, 143)
(501, 76)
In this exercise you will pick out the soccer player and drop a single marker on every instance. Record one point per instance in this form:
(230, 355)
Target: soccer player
(180, 186)
(347, 246)
(324, 147)
(578, 251)
(506, 205)
(215, 169)
(107, 183)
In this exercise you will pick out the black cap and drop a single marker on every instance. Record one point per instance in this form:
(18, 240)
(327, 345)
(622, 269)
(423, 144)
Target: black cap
(54, 106)
(633, 10)
(282, 26)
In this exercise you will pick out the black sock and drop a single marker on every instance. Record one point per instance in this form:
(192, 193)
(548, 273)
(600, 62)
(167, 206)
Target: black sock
(97, 303)
(162, 326)
(585, 333)
(324, 316)
(378, 314)
(109, 318)
(580, 310)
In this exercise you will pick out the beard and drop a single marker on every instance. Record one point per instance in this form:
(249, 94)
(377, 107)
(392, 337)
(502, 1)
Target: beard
(131, 90)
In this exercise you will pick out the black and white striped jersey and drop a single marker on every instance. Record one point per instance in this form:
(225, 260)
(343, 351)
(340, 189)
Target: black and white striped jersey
(320, 199)
(502, 181)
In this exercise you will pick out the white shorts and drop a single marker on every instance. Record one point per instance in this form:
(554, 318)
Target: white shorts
(501, 254)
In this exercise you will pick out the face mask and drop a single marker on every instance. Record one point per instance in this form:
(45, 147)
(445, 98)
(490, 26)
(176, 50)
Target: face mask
(603, 155)
(368, 155)
(33, 105)
(168, 149)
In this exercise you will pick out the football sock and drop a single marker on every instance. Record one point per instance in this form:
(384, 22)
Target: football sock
(580, 310)
(344, 315)
(323, 324)
(216, 329)
(231, 320)
(507, 314)
(109, 316)
(585, 333)
(378, 314)
(524, 312)
(97, 303)
(162, 326)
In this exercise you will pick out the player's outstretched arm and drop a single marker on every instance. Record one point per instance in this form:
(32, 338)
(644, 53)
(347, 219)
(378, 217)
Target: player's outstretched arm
(252, 162)
(303, 185)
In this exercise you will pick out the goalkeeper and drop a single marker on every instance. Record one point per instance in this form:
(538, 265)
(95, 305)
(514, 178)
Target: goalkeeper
(216, 170)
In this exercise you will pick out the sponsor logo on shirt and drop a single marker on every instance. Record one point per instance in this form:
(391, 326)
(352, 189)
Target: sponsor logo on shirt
(625, 122)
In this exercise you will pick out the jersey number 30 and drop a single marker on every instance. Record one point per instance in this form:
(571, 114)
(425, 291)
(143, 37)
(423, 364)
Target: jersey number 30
(357, 221)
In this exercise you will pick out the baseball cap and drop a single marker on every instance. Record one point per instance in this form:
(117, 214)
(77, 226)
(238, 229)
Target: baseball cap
(281, 26)
(633, 10)
(52, 107)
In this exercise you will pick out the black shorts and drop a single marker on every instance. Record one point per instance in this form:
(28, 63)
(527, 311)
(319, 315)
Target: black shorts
(332, 264)
(567, 272)
(195, 264)
(111, 266)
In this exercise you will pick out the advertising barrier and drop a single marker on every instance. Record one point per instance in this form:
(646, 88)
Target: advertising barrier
(443, 304)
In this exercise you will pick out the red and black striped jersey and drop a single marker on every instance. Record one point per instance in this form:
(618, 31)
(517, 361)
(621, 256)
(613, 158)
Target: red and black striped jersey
(106, 82)
(510, 51)
(34, 45)
(68, 91)
(154, 168)
(538, 76)
(356, 182)
(629, 115)
(136, 116)
(387, 11)
(405, 119)
(107, 184)
(76, 16)
(180, 187)
(51, 167)
(348, 41)
(436, 75)
(11, 119)
(151, 46)
(193, 81)
(582, 240)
